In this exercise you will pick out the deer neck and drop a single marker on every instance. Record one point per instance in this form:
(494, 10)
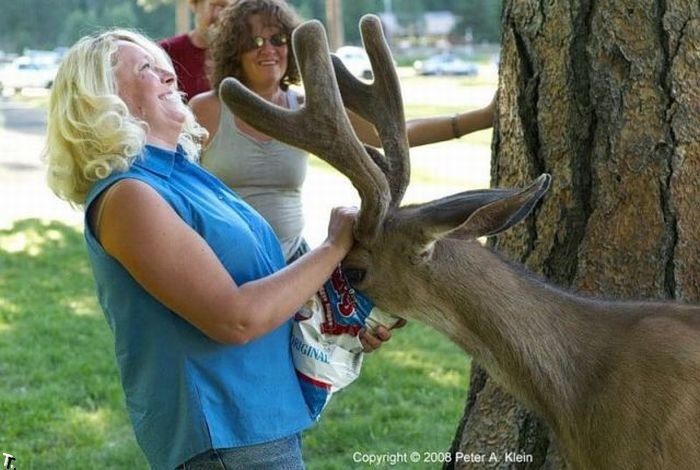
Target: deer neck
(536, 341)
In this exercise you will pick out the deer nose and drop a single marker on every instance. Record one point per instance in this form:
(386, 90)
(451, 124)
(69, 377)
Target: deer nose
(354, 275)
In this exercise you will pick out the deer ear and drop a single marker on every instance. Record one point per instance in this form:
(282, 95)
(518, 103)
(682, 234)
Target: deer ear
(474, 214)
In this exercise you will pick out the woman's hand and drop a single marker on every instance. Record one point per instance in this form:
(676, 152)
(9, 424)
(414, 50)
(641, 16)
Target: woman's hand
(340, 228)
(373, 339)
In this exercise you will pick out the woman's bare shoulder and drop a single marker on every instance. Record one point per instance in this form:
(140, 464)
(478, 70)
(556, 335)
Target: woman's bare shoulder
(206, 108)
(204, 100)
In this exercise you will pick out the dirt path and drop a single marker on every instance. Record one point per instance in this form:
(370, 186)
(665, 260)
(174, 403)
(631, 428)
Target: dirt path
(23, 191)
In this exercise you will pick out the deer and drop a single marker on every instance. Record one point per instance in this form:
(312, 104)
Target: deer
(617, 382)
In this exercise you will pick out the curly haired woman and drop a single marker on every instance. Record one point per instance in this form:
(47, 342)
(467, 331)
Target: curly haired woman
(253, 45)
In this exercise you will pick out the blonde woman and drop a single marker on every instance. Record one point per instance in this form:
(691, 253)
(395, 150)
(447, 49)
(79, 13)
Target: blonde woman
(192, 281)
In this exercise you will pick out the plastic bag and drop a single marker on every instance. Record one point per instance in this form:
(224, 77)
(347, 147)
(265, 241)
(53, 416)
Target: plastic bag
(326, 349)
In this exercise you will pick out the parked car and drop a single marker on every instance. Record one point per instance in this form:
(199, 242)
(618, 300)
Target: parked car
(446, 64)
(356, 60)
(25, 73)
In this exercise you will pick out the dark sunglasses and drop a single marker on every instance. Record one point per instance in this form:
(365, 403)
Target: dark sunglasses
(277, 40)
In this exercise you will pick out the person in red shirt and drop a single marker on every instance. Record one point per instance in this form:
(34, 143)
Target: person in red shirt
(188, 51)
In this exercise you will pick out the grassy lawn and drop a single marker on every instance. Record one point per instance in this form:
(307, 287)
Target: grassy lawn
(60, 396)
(409, 398)
(62, 405)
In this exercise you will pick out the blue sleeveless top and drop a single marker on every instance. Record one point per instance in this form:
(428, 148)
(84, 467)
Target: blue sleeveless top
(186, 393)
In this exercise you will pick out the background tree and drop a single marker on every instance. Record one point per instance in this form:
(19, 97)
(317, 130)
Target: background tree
(480, 18)
(45, 24)
(604, 96)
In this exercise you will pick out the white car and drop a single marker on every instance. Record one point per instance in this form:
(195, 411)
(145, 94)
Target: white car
(25, 73)
(356, 60)
(446, 64)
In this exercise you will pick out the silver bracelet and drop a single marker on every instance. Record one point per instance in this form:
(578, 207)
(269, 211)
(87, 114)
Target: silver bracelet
(455, 130)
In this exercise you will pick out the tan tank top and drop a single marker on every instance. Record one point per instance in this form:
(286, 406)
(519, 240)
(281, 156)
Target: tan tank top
(267, 175)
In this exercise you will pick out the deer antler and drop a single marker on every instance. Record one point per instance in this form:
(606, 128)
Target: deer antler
(320, 126)
(381, 104)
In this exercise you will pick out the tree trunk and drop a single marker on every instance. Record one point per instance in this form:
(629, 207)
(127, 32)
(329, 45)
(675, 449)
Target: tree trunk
(605, 96)
(182, 16)
(334, 24)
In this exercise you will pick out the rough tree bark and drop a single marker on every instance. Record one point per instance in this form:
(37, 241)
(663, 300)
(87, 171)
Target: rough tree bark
(605, 96)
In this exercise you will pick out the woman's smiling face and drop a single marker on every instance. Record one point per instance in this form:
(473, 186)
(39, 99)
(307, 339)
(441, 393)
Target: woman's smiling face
(265, 66)
(148, 90)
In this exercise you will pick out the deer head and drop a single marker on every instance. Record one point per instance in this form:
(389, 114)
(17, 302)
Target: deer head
(398, 248)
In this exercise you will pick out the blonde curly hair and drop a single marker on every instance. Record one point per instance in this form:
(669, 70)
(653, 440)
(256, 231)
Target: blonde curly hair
(90, 131)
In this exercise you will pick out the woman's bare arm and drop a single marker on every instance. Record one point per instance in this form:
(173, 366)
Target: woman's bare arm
(177, 267)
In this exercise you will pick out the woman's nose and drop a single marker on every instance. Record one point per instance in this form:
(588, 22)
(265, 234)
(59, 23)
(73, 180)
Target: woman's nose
(267, 45)
(166, 76)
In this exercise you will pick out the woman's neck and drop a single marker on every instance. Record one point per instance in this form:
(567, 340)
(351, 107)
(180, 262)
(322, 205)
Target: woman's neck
(164, 143)
(199, 38)
(273, 94)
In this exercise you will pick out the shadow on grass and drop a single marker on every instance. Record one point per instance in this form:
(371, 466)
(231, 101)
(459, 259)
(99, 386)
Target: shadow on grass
(60, 397)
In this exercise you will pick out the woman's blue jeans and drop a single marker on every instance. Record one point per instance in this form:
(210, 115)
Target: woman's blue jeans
(282, 454)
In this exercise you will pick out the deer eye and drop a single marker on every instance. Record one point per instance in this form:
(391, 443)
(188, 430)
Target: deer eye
(354, 275)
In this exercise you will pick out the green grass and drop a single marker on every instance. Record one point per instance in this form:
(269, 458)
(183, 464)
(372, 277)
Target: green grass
(409, 397)
(60, 398)
(62, 405)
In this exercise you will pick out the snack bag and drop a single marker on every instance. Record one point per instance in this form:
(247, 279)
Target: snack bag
(326, 349)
